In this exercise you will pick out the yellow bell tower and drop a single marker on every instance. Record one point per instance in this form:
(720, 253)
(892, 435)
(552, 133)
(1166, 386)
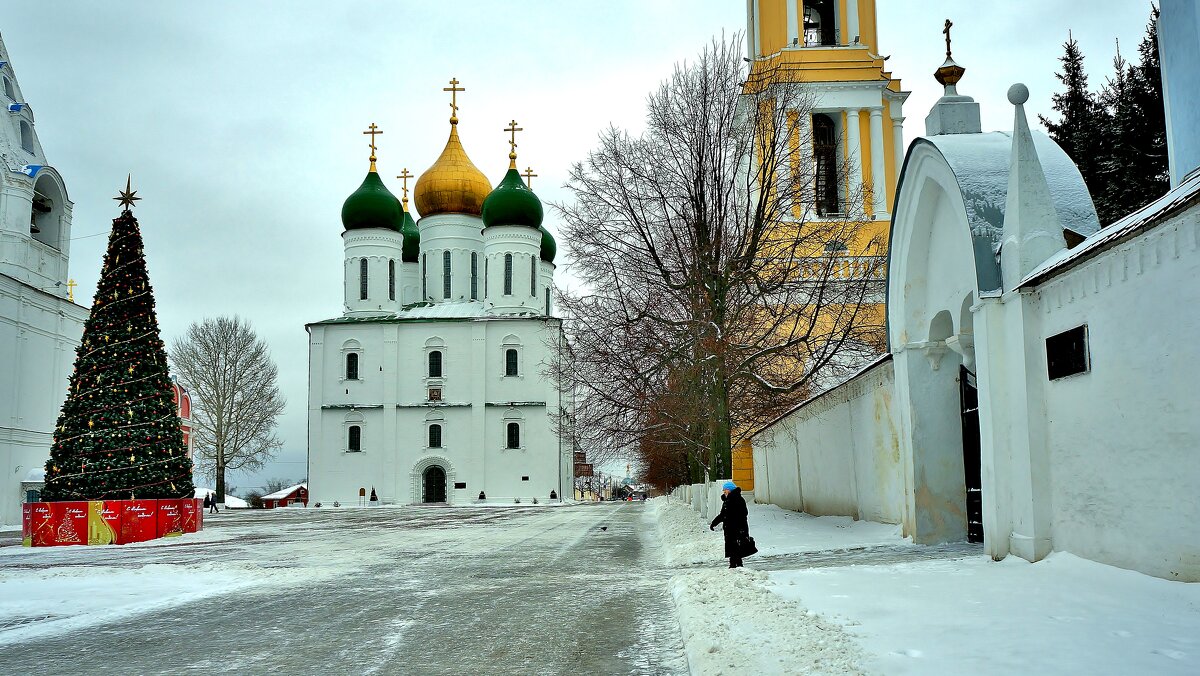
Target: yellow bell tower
(830, 47)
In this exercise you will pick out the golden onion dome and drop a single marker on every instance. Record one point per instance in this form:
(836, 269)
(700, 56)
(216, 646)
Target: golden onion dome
(453, 185)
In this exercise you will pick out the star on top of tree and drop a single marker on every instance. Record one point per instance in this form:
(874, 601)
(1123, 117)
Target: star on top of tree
(127, 197)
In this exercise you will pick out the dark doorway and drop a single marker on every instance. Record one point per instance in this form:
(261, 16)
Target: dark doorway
(970, 433)
(435, 484)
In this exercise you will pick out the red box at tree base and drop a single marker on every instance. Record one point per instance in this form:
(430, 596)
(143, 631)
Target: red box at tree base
(104, 522)
(190, 511)
(199, 513)
(60, 523)
(170, 518)
(139, 521)
(27, 524)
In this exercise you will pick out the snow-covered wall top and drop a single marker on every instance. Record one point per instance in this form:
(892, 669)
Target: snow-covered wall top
(980, 163)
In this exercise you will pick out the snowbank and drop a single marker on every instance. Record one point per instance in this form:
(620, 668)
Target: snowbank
(1061, 615)
(781, 531)
(731, 623)
(230, 502)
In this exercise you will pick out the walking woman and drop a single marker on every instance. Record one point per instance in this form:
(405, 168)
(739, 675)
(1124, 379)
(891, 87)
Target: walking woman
(737, 531)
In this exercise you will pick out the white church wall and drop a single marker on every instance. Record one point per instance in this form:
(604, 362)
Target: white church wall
(836, 455)
(38, 336)
(478, 402)
(1123, 436)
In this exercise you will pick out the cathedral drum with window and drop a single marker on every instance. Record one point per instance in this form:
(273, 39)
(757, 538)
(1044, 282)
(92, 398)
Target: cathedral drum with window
(434, 385)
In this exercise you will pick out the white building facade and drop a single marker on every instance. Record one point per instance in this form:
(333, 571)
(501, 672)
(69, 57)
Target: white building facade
(39, 326)
(1040, 390)
(436, 384)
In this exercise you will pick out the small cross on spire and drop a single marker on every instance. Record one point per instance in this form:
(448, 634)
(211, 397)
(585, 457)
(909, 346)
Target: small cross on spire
(373, 131)
(946, 30)
(454, 89)
(529, 176)
(404, 175)
(512, 129)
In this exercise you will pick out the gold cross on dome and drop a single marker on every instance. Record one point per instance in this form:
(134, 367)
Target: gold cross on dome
(454, 89)
(71, 290)
(529, 176)
(404, 175)
(946, 30)
(373, 131)
(512, 129)
(127, 197)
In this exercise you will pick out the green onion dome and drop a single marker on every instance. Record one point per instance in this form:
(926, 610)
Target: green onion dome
(412, 239)
(549, 248)
(371, 206)
(512, 203)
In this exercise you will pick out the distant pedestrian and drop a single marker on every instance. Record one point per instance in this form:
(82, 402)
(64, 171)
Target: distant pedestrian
(737, 531)
(207, 502)
(212, 504)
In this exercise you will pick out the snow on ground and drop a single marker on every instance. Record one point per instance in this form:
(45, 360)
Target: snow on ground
(729, 620)
(230, 501)
(962, 613)
(1061, 615)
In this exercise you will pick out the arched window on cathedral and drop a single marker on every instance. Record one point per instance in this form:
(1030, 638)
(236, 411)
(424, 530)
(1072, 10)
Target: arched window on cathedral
(354, 439)
(435, 364)
(508, 274)
(511, 359)
(424, 276)
(485, 277)
(392, 279)
(474, 276)
(547, 301)
(362, 279)
(819, 22)
(435, 436)
(825, 156)
(26, 137)
(514, 435)
(445, 274)
(8, 90)
(533, 275)
(352, 366)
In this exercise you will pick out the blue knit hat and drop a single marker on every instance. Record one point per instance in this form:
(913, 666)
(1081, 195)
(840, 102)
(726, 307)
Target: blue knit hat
(728, 486)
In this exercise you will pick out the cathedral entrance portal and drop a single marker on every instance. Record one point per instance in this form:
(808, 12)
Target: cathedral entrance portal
(435, 484)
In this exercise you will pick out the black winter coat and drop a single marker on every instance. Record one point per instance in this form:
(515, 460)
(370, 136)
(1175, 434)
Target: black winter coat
(733, 515)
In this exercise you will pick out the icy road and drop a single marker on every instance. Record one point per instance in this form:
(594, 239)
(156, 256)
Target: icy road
(576, 589)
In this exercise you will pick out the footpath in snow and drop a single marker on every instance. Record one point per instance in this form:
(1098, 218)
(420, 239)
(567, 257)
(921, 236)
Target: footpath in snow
(961, 613)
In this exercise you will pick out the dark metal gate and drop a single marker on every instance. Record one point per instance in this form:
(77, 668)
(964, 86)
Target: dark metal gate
(970, 434)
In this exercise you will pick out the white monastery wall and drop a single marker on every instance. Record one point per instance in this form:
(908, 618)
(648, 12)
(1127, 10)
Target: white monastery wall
(836, 455)
(1124, 436)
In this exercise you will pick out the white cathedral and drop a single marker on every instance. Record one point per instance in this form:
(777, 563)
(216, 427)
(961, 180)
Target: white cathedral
(40, 326)
(434, 384)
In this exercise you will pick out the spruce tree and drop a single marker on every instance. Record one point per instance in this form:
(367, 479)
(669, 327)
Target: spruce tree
(118, 435)
(1081, 121)
(1120, 122)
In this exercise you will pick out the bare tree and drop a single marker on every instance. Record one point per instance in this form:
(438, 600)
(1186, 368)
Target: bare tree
(235, 397)
(711, 248)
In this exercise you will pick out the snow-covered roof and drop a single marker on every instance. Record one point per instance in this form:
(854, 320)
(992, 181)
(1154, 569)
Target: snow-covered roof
(465, 310)
(1180, 197)
(36, 474)
(230, 501)
(281, 494)
(980, 163)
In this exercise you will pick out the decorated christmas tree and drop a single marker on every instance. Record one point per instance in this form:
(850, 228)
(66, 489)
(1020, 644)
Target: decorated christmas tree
(118, 436)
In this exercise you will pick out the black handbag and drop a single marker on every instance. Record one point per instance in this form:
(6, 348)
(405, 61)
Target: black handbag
(748, 548)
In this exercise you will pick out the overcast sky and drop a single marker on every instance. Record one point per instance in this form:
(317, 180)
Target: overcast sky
(241, 121)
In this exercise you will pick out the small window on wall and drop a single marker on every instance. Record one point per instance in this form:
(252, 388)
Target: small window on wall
(508, 274)
(510, 362)
(485, 277)
(533, 276)
(435, 436)
(392, 279)
(362, 279)
(435, 364)
(424, 276)
(445, 274)
(514, 435)
(460, 485)
(474, 276)
(354, 442)
(1067, 353)
(8, 89)
(352, 366)
(435, 394)
(26, 137)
